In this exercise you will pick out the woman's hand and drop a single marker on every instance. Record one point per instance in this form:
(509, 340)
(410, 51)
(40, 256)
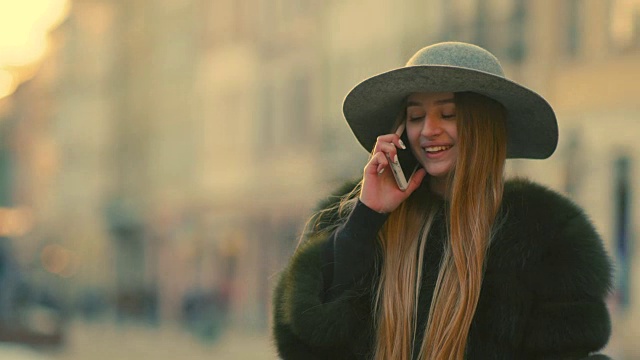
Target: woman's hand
(379, 189)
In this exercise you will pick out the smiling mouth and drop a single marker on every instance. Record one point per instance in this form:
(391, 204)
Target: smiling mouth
(437, 149)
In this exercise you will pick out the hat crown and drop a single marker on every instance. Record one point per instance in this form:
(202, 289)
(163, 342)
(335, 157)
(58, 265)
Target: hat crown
(459, 55)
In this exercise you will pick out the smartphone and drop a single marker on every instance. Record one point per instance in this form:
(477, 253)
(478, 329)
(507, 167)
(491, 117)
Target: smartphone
(407, 162)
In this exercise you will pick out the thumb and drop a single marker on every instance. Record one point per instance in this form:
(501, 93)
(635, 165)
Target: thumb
(416, 180)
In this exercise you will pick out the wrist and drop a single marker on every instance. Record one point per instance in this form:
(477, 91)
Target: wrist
(368, 215)
(377, 209)
(372, 207)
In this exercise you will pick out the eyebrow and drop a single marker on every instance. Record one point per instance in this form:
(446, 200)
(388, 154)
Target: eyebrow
(411, 103)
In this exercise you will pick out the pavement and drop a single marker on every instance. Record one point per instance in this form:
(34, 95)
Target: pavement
(112, 341)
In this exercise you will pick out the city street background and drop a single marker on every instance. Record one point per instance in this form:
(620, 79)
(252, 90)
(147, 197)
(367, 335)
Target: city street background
(159, 158)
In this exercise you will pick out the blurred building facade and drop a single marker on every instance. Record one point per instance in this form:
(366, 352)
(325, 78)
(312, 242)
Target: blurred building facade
(174, 148)
(169, 151)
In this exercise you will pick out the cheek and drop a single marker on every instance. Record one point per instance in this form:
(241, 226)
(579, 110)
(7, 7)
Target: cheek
(453, 131)
(413, 133)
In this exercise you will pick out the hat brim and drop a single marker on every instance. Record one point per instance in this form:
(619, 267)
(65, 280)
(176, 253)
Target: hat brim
(371, 107)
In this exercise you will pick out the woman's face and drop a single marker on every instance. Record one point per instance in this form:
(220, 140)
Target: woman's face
(433, 132)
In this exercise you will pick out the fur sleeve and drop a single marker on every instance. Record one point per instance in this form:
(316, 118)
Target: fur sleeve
(306, 327)
(570, 280)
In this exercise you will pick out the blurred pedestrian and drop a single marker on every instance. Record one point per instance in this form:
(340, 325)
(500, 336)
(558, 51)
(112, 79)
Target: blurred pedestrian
(456, 262)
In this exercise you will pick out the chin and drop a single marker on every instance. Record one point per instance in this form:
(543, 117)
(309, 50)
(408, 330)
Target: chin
(438, 175)
(437, 172)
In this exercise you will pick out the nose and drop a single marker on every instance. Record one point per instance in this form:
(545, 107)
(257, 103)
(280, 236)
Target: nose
(431, 127)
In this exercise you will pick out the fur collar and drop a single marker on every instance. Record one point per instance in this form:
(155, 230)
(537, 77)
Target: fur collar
(543, 293)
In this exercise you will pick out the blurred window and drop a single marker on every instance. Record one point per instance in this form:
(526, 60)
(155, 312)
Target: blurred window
(506, 21)
(497, 25)
(300, 108)
(502, 10)
(624, 25)
(230, 20)
(291, 10)
(573, 13)
(466, 11)
(623, 228)
(462, 16)
(574, 164)
(265, 127)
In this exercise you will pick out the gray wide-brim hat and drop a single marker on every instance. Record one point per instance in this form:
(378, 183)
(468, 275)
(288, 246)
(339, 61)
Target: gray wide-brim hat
(373, 105)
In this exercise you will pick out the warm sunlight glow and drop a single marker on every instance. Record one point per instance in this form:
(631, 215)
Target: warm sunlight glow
(24, 27)
(22, 51)
(7, 83)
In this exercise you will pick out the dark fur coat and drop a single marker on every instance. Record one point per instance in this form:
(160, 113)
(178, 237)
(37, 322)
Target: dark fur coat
(543, 294)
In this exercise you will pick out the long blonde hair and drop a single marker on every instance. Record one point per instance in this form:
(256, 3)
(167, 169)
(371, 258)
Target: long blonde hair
(476, 187)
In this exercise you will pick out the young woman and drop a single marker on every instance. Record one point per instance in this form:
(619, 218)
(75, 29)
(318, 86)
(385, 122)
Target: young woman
(462, 264)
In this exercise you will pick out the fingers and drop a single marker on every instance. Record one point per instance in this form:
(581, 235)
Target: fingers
(391, 141)
(377, 163)
(384, 151)
(388, 145)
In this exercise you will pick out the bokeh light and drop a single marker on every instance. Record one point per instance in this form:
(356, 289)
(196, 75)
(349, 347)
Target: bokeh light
(58, 260)
(24, 28)
(15, 221)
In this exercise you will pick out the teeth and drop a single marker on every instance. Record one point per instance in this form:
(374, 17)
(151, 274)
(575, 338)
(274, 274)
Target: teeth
(436, 148)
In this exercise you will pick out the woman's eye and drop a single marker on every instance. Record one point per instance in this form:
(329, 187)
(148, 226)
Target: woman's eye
(416, 117)
(448, 116)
